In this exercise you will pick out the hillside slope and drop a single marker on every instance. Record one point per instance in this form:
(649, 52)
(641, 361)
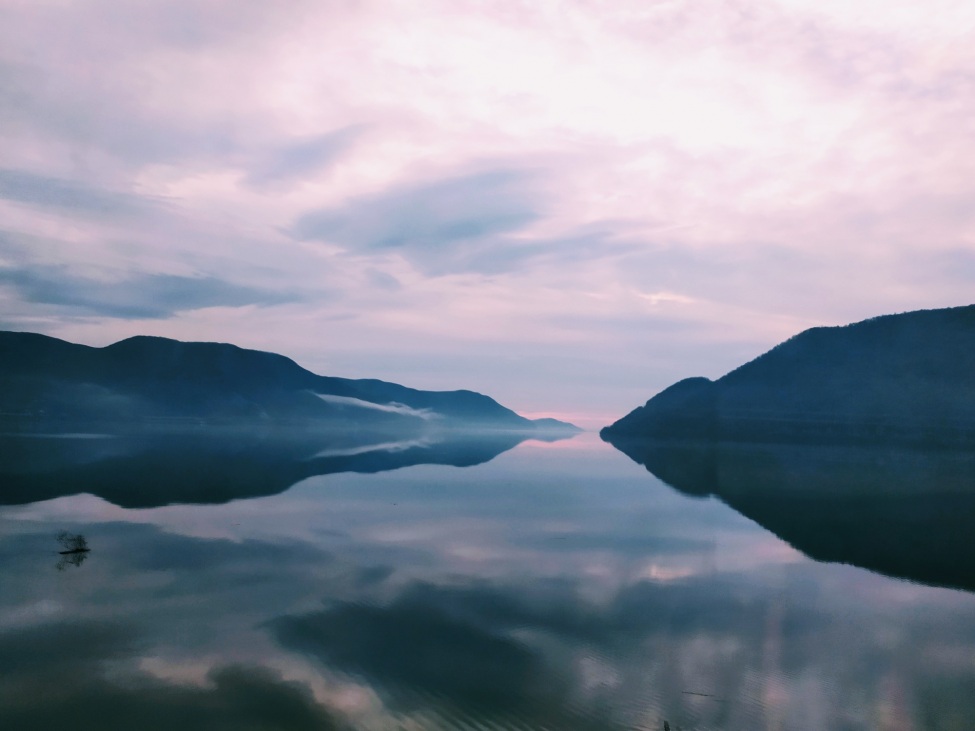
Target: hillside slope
(150, 379)
(904, 377)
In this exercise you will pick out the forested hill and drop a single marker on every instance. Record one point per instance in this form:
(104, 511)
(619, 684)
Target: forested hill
(907, 377)
(149, 378)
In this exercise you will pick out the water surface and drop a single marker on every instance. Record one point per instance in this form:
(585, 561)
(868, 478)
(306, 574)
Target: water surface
(484, 584)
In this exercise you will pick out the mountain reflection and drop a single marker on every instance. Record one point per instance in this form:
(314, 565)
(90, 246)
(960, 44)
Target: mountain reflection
(210, 466)
(548, 589)
(906, 513)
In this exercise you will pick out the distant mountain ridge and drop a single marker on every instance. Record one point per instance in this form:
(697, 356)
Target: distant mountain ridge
(906, 377)
(146, 378)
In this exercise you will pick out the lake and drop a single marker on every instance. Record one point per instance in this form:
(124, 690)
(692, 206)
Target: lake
(481, 584)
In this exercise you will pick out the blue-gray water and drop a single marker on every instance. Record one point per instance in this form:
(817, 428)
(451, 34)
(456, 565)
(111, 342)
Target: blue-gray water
(555, 586)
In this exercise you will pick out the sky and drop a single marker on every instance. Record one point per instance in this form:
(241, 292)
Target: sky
(565, 205)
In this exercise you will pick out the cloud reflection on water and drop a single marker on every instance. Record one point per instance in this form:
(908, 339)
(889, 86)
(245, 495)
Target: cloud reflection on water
(519, 592)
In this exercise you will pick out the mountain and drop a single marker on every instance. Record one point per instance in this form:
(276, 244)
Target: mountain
(853, 444)
(908, 378)
(904, 512)
(150, 382)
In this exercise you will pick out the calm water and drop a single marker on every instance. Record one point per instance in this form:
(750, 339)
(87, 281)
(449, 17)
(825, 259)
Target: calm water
(549, 585)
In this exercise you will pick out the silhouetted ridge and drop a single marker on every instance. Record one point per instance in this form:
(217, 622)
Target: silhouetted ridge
(150, 379)
(904, 377)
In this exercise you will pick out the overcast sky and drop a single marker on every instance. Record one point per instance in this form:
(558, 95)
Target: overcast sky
(565, 205)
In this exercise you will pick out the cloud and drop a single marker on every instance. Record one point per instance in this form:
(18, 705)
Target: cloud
(557, 608)
(455, 219)
(137, 296)
(516, 650)
(297, 160)
(473, 223)
(422, 659)
(22, 186)
(52, 678)
(86, 101)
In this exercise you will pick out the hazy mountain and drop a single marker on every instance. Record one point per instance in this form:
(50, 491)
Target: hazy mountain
(907, 377)
(150, 381)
